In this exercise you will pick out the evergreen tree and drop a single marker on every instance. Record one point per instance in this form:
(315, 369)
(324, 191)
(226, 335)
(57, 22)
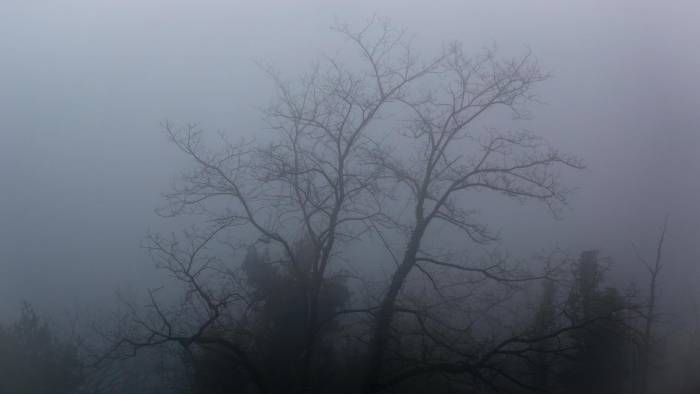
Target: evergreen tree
(600, 363)
(278, 327)
(34, 361)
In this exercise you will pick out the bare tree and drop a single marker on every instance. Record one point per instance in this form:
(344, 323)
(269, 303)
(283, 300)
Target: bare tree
(518, 165)
(352, 142)
(650, 315)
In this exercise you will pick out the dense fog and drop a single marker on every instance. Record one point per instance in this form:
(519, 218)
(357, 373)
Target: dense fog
(134, 132)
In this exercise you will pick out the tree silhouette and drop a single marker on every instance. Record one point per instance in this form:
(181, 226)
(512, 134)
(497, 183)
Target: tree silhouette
(384, 149)
(33, 360)
(601, 362)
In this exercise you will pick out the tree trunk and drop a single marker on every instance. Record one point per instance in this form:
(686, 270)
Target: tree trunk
(385, 315)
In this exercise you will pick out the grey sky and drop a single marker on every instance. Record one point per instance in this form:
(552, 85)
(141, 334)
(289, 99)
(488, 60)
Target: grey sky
(84, 85)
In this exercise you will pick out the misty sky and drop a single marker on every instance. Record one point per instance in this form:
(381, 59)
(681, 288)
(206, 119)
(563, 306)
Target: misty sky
(85, 84)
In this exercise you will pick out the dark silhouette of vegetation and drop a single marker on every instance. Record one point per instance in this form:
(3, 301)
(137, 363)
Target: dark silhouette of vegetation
(33, 360)
(277, 329)
(650, 313)
(600, 363)
(545, 320)
(380, 153)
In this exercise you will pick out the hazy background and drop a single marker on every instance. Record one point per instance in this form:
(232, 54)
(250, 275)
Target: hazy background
(85, 84)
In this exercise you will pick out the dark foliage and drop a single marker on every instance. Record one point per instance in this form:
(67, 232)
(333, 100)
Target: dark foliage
(277, 330)
(601, 363)
(34, 361)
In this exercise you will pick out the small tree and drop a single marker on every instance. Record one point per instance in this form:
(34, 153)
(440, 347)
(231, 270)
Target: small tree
(279, 329)
(650, 314)
(33, 360)
(601, 361)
